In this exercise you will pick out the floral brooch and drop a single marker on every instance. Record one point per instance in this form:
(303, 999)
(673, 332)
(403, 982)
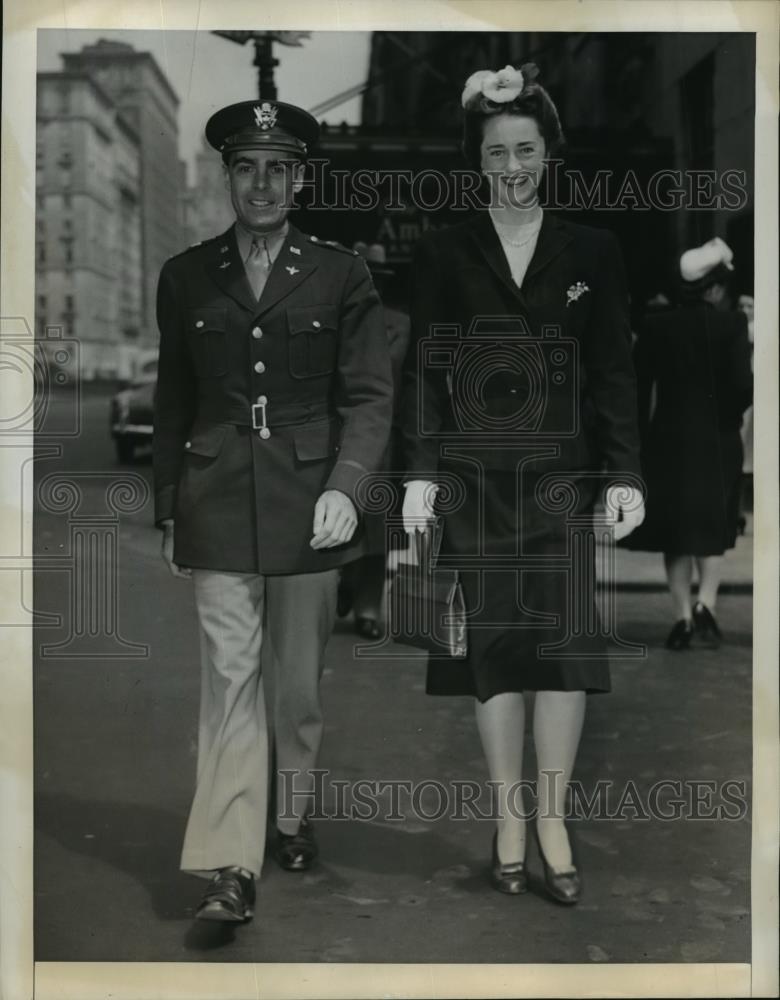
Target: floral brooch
(573, 292)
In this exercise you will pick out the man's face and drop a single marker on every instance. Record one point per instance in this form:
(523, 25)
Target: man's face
(262, 184)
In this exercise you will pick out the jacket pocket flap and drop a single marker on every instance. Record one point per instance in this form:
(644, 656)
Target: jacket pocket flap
(208, 318)
(311, 319)
(316, 439)
(206, 440)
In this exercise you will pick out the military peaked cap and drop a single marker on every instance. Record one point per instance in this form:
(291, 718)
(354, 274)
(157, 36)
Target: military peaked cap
(262, 125)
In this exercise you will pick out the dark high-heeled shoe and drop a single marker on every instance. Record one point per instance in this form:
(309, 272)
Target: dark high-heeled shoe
(680, 636)
(564, 887)
(511, 878)
(706, 627)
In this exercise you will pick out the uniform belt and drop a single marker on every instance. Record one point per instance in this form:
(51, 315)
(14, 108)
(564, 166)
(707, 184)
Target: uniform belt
(272, 414)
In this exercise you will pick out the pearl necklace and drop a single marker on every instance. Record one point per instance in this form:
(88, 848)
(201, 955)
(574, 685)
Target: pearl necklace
(534, 228)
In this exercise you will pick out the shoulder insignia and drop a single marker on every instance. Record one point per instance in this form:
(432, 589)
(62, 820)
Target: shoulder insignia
(333, 245)
(193, 246)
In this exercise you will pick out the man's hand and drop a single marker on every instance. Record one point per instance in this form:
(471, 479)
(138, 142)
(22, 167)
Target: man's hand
(627, 503)
(167, 553)
(418, 505)
(335, 520)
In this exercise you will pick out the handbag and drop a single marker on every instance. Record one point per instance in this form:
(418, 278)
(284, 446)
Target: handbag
(427, 609)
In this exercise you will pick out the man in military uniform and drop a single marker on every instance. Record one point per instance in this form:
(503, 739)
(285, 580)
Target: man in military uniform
(273, 400)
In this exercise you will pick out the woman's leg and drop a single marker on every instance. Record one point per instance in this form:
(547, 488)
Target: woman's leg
(679, 570)
(501, 724)
(558, 718)
(710, 569)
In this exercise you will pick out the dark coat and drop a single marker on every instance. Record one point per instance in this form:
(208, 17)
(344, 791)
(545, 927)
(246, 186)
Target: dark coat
(584, 409)
(242, 502)
(695, 383)
(516, 384)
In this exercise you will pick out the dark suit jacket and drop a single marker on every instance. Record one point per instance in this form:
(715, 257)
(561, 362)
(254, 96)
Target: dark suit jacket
(315, 347)
(548, 364)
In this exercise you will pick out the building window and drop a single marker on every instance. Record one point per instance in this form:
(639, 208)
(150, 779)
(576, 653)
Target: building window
(68, 305)
(41, 253)
(66, 201)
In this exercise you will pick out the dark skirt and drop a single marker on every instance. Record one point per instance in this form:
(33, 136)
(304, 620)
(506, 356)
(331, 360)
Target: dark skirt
(527, 566)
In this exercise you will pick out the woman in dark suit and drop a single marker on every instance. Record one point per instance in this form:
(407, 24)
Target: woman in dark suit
(695, 383)
(519, 408)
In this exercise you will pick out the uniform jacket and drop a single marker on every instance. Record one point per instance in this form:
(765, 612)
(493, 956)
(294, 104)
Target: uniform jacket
(548, 365)
(313, 349)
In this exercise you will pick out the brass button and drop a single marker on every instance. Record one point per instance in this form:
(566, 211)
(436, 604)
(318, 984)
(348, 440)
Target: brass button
(199, 324)
(188, 444)
(260, 367)
(257, 333)
(316, 324)
(264, 433)
(262, 400)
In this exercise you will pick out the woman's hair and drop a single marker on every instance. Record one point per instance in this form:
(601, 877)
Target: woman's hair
(532, 102)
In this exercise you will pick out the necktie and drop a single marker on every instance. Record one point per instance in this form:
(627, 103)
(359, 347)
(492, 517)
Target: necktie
(258, 264)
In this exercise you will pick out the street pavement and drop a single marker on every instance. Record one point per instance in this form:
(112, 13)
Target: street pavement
(115, 744)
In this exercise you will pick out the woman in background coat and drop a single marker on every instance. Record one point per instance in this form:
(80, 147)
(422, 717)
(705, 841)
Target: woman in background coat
(697, 359)
(521, 398)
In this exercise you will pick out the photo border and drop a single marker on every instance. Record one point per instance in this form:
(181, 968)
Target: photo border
(19, 978)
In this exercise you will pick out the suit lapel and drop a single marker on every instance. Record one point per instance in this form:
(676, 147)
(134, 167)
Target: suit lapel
(552, 240)
(294, 263)
(489, 246)
(227, 270)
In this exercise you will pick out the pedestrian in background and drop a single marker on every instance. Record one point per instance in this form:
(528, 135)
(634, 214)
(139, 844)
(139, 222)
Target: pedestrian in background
(363, 582)
(695, 383)
(274, 399)
(528, 273)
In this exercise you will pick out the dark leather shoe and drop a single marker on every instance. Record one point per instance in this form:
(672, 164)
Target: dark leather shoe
(564, 887)
(230, 897)
(680, 636)
(706, 627)
(368, 628)
(511, 878)
(296, 852)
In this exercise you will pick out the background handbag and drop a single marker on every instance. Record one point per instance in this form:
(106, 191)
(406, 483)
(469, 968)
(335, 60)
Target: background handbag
(427, 609)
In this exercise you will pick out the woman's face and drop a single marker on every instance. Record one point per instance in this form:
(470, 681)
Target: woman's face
(513, 152)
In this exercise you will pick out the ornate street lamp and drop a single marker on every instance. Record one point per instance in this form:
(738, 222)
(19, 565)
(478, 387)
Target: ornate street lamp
(264, 57)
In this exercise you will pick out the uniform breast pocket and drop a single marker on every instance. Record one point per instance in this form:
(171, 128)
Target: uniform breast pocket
(313, 340)
(208, 337)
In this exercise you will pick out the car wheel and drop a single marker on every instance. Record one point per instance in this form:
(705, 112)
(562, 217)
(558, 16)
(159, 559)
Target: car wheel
(125, 450)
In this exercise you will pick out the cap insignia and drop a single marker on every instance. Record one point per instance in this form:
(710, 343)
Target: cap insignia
(265, 115)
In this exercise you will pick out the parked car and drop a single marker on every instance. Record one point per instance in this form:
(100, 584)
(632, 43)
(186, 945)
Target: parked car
(131, 412)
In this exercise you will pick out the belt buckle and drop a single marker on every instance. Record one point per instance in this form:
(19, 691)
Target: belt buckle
(260, 405)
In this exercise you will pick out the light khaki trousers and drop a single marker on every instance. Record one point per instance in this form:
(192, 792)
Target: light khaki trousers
(245, 619)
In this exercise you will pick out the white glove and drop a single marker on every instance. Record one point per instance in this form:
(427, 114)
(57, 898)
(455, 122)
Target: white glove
(628, 501)
(418, 505)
